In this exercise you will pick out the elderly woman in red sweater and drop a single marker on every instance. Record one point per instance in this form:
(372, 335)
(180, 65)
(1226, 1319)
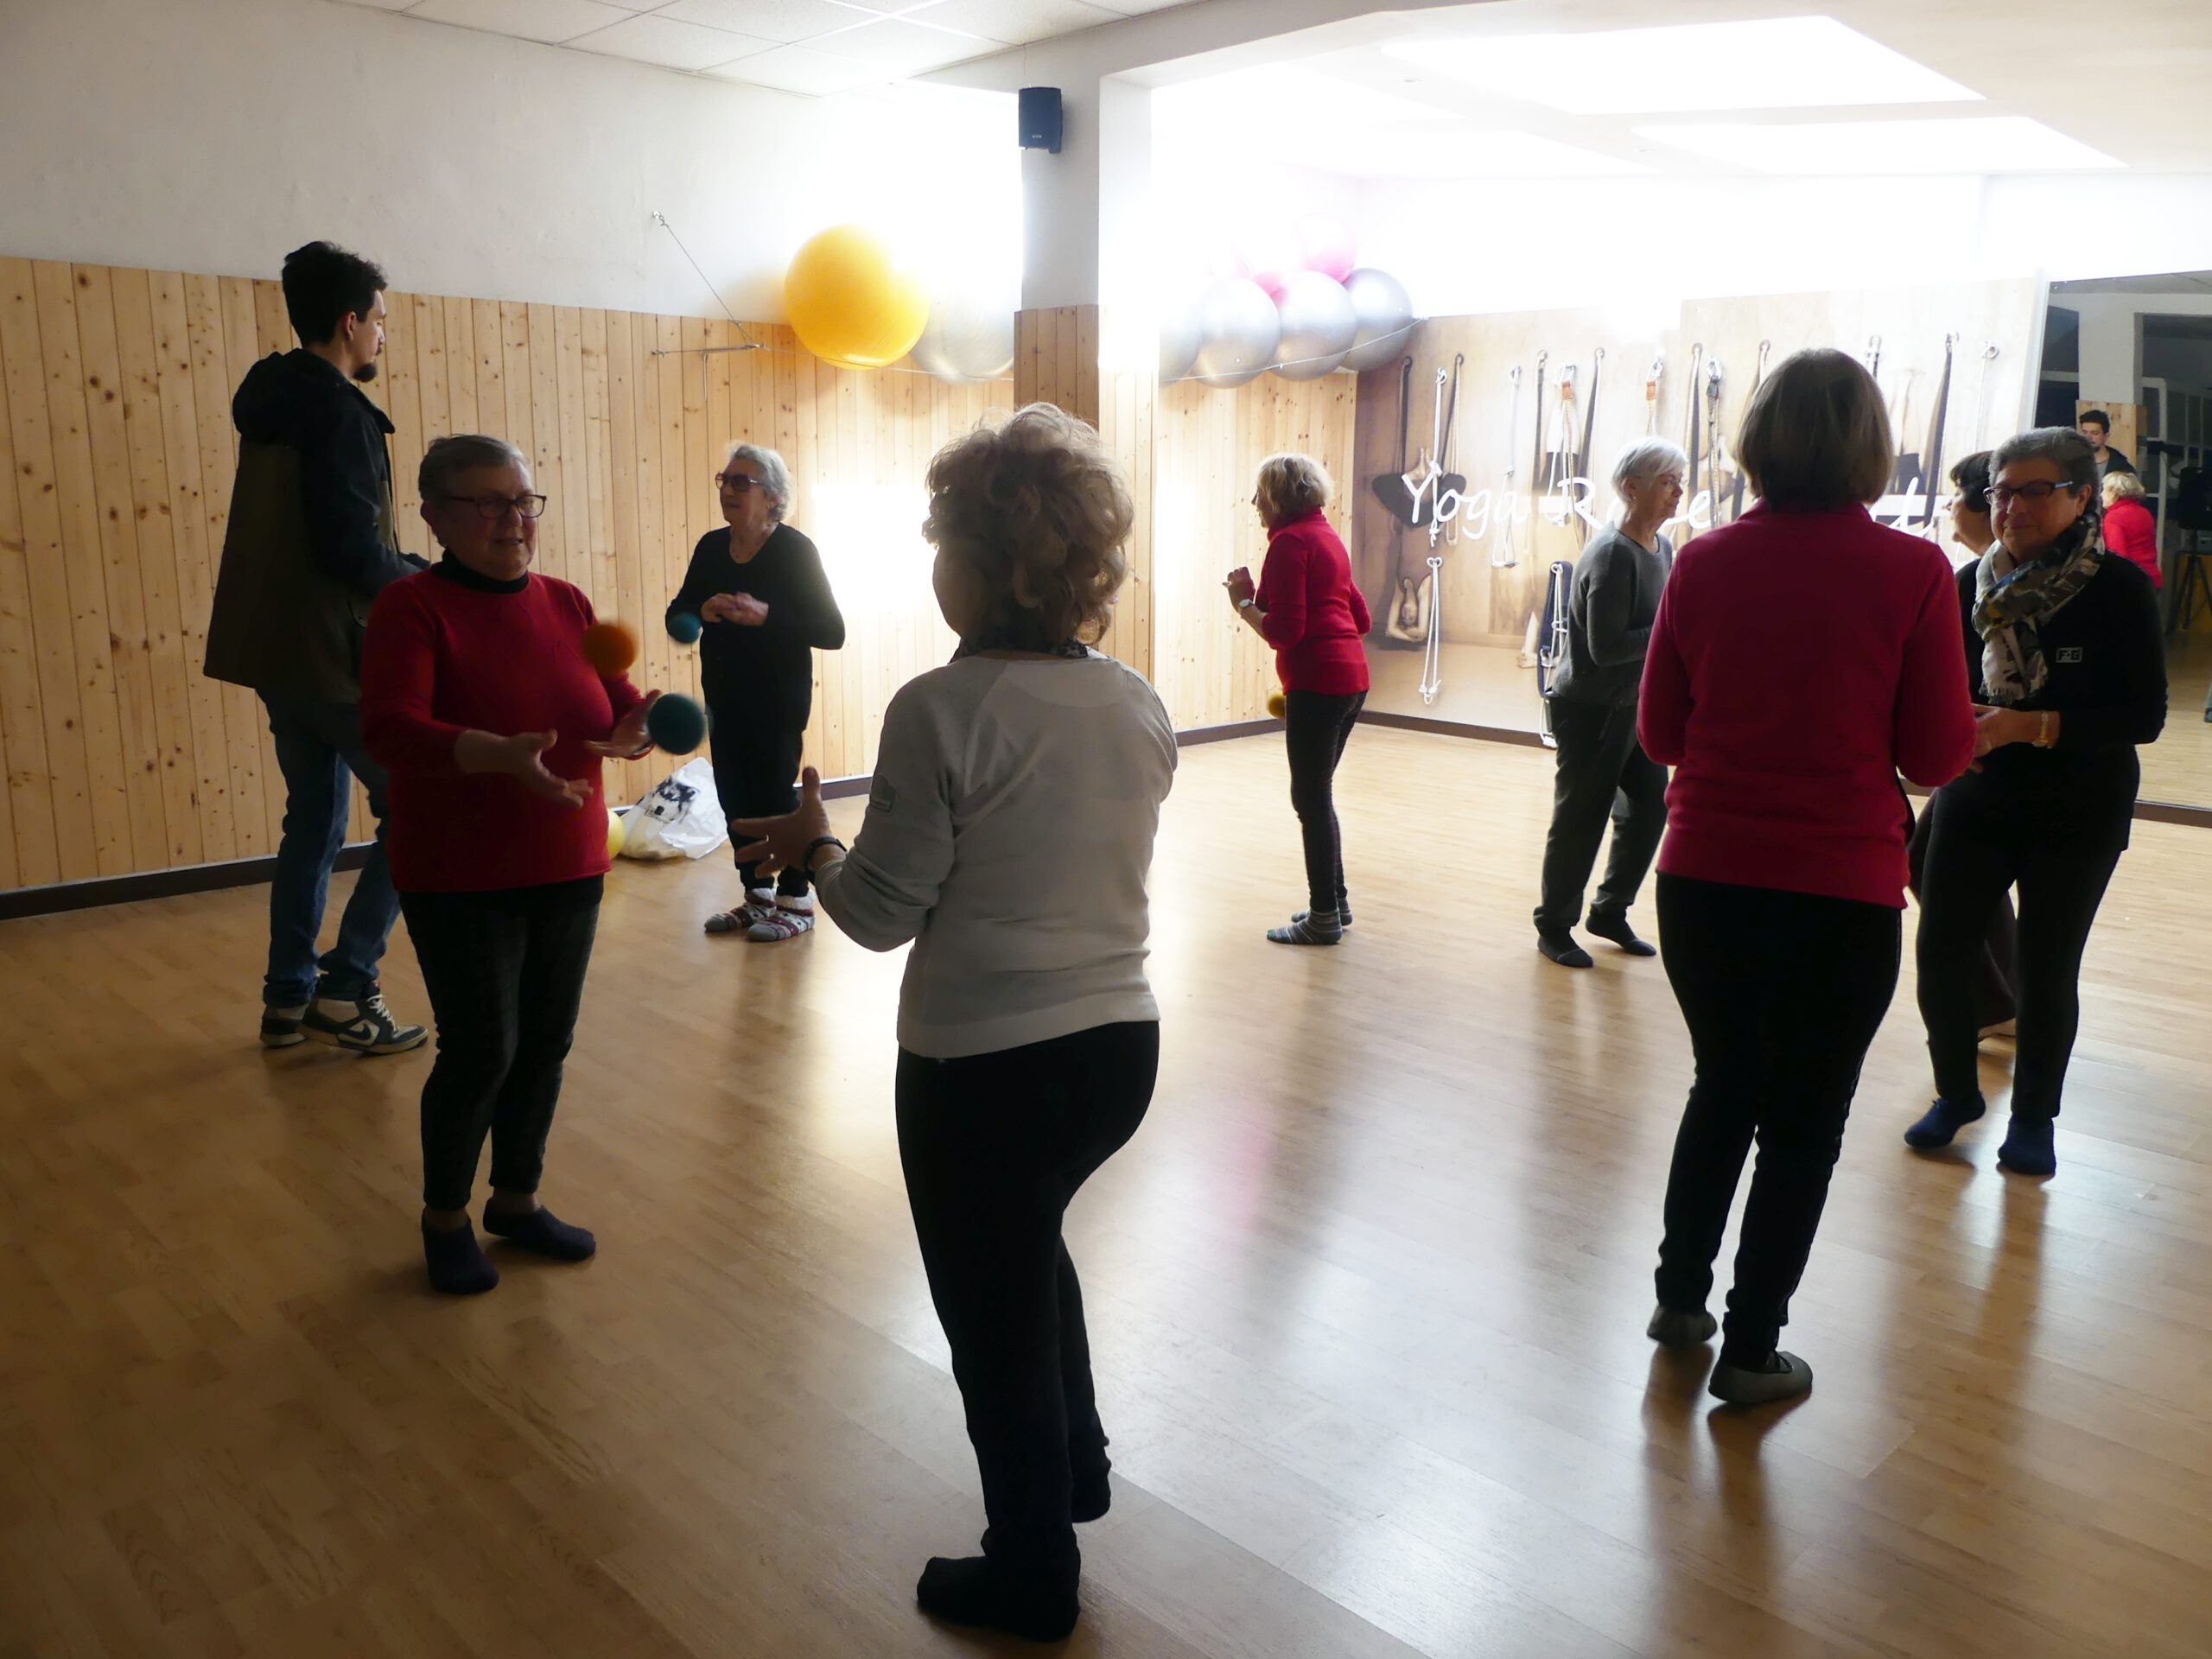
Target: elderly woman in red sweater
(477, 698)
(1802, 657)
(2131, 530)
(1306, 605)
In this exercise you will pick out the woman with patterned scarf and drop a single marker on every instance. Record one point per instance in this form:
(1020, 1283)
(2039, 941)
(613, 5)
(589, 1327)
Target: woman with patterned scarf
(2064, 653)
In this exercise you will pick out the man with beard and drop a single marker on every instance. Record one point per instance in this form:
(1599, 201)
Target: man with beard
(313, 538)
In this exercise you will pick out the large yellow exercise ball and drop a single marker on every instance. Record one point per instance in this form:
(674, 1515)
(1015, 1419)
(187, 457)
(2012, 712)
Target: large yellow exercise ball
(850, 300)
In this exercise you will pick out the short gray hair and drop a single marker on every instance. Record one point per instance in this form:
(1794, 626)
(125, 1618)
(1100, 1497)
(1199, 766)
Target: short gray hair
(1648, 458)
(2062, 445)
(775, 477)
(448, 458)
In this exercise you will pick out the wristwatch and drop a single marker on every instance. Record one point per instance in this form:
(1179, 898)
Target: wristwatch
(1252, 604)
(806, 858)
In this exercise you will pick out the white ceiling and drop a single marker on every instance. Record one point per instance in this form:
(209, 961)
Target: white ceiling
(2130, 85)
(814, 47)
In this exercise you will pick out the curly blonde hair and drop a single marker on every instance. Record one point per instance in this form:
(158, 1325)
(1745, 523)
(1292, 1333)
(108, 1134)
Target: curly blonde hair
(2118, 486)
(1036, 509)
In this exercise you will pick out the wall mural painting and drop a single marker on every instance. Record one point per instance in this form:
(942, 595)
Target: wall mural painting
(1486, 455)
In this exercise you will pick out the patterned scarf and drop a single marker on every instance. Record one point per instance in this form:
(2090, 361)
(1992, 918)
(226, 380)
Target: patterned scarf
(2011, 604)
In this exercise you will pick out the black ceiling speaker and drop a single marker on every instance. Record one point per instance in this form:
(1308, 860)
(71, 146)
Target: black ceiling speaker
(1040, 118)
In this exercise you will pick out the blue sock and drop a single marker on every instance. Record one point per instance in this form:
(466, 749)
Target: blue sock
(541, 1230)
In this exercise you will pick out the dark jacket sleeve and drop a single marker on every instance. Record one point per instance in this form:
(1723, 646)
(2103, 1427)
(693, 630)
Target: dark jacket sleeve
(342, 480)
(1609, 606)
(2139, 645)
(808, 613)
(698, 587)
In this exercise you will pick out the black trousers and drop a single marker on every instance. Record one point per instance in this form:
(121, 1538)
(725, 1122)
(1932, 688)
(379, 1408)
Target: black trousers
(756, 775)
(1994, 998)
(1973, 857)
(1602, 772)
(506, 974)
(1782, 992)
(994, 1147)
(1317, 726)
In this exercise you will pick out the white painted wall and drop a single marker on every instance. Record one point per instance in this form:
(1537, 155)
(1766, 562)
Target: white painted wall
(217, 136)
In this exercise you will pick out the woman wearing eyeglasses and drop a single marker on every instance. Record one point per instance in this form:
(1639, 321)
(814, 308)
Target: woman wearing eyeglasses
(759, 588)
(2065, 658)
(477, 698)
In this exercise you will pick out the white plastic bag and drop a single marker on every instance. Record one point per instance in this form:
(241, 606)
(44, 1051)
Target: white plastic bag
(682, 819)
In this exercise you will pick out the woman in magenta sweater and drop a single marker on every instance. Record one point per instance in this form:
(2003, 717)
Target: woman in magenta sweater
(1802, 657)
(1306, 605)
(477, 698)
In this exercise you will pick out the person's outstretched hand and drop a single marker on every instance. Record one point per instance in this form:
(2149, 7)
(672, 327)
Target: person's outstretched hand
(521, 757)
(780, 843)
(629, 740)
(1239, 584)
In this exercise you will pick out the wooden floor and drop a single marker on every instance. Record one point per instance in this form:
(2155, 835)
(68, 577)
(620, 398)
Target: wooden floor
(1367, 1294)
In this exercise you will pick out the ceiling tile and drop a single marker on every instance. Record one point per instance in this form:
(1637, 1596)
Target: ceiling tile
(1017, 23)
(528, 20)
(665, 42)
(802, 69)
(902, 48)
(768, 20)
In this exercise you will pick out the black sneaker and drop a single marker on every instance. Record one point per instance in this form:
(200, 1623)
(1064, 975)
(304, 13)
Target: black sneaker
(280, 1027)
(365, 1026)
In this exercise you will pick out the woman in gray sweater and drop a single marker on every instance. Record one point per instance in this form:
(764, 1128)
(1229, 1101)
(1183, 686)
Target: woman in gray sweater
(1009, 835)
(1602, 770)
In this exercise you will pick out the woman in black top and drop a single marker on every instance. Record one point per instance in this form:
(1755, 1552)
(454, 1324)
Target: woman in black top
(2067, 666)
(764, 606)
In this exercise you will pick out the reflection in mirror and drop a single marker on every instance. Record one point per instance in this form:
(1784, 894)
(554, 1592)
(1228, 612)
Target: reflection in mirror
(2139, 349)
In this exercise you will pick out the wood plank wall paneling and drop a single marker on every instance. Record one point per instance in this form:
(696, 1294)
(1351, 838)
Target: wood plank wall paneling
(119, 756)
(1207, 447)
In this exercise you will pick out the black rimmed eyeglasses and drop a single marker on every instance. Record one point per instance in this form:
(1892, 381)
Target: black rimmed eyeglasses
(2042, 489)
(496, 507)
(739, 483)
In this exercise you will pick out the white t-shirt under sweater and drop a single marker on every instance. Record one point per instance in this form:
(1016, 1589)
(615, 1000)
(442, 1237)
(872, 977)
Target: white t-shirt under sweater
(1009, 835)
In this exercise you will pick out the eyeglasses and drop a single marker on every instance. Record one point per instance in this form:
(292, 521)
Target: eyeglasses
(496, 507)
(739, 483)
(2003, 495)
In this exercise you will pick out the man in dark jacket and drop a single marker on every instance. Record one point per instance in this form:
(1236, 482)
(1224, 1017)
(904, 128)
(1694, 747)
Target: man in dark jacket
(312, 539)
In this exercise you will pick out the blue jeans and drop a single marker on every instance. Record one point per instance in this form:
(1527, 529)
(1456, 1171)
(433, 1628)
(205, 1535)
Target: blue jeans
(318, 745)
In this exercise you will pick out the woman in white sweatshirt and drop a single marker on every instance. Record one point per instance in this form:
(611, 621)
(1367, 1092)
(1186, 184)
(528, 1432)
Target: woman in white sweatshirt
(1009, 835)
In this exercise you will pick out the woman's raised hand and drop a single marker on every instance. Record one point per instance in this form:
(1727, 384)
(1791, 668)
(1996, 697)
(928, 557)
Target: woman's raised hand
(780, 843)
(629, 740)
(521, 757)
(1239, 584)
(743, 609)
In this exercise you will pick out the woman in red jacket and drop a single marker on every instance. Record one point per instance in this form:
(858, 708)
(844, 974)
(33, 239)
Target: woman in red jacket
(1307, 607)
(1802, 657)
(477, 698)
(2130, 530)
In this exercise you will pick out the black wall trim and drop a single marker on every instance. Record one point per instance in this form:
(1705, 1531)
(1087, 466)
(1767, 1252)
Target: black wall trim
(156, 884)
(1451, 728)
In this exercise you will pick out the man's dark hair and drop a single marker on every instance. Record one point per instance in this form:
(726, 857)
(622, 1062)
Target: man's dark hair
(2097, 415)
(1972, 476)
(323, 285)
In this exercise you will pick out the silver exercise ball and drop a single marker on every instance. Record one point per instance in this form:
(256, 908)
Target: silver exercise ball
(969, 335)
(1238, 331)
(1386, 318)
(1179, 337)
(1317, 326)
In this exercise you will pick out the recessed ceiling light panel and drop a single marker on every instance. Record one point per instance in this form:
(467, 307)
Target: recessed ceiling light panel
(2004, 143)
(1775, 63)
